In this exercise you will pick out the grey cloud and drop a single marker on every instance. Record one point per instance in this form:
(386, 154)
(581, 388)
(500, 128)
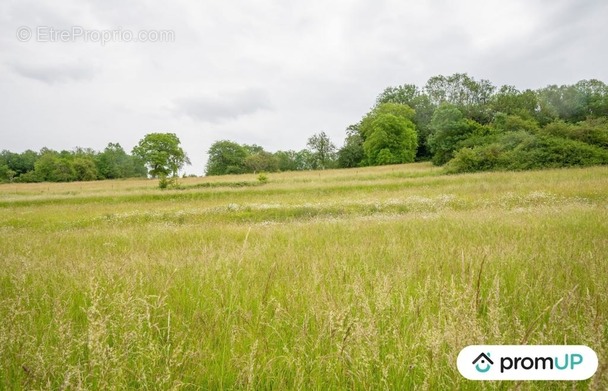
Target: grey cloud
(224, 106)
(34, 13)
(246, 70)
(57, 73)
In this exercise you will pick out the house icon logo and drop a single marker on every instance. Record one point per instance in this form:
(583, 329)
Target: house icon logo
(483, 363)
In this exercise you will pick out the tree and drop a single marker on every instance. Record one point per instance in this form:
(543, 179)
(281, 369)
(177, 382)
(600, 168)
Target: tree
(450, 128)
(366, 127)
(6, 174)
(114, 163)
(470, 96)
(389, 126)
(85, 168)
(19, 163)
(162, 153)
(391, 140)
(305, 160)
(252, 149)
(226, 157)
(563, 102)
(596, 97)
(262, 161)
(52, 167)
(352, 153)
(412, 96)
(323, 150)
(510, 101)
(286, 160)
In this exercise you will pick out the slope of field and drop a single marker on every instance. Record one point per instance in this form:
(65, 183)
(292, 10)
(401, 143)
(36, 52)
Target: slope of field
(368, 278)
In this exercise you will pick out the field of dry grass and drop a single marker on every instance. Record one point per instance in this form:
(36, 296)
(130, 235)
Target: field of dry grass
(368, 278)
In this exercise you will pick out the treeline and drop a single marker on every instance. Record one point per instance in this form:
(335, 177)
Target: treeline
(228, 157)
(456, 121)
(473, 126)
(81, 164)
(469, 125)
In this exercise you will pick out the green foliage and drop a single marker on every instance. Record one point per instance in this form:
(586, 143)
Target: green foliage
(525, 151)
(19, 163)
(6, 174)
(448, 114)
(553, 152)
(389, 127)
(81, 164)
(162, 153)
(391, 140)
(450, 128)
(51, 167)
(85, 169)
(592, 131)
(508, 100)
(226, 157)
(412, 96)
(262, 178)
(366, 127)
(513, 123)
(480, 102)
(323, 151)
(595, 94)
(261, 161)
(470, 96)
(115, 163)
(305, 160)
(352, 153)
(287, 160)
(163, 181)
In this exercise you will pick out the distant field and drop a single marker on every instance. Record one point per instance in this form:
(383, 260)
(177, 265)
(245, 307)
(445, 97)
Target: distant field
(364, 279)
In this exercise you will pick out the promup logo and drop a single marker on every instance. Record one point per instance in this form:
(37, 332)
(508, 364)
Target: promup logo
(483, 363)
(527, 362)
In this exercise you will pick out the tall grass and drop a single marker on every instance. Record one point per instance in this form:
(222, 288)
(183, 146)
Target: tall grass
(349, 279)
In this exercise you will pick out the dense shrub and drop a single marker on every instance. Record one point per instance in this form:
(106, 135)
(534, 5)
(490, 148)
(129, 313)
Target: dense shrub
(523, 151)
(592, 131)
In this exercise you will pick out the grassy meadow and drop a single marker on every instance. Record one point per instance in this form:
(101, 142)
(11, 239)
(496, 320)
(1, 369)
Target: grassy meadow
(365, 279)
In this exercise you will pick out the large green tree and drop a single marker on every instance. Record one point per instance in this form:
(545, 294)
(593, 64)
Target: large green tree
(226, 157)
(391, 140)
(162, 154)
(410, 95)
(389, 134)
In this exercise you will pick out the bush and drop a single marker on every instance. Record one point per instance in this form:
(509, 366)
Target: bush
(483, 158)
(547, 152)
(593, 131)
(524, 151)
(262, 178)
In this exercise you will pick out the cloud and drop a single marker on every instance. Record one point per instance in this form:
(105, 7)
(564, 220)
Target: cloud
(224, 106)
(268, 72)
(58, 73)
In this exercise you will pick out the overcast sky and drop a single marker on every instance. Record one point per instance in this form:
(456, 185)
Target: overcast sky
(266, 72)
